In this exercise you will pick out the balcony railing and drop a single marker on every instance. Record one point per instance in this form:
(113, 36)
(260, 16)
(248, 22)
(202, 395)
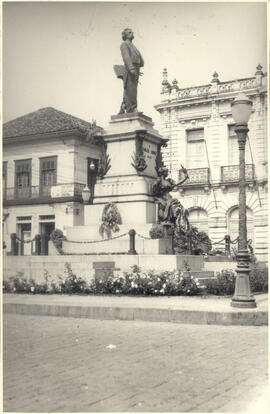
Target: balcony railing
(39, 193)
(197, 176)
(230, 173)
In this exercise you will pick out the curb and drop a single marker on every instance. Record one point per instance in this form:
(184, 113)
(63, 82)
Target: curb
(250, 318)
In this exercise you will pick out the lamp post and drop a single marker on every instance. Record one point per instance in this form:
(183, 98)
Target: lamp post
(242, 298)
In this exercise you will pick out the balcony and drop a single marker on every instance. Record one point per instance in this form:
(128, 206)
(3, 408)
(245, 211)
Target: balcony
(230, 173)
(197, 176)
(43, 194)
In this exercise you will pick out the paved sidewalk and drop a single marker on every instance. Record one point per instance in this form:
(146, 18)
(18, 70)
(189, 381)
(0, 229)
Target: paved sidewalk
(183, 309)
(81, 365)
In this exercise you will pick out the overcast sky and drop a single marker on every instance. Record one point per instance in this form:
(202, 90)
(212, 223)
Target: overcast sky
(62, 54)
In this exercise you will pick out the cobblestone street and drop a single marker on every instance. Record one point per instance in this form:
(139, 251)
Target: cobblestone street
(79, 365)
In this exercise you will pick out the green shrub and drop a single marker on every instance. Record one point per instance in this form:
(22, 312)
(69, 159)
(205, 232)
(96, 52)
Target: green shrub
(156, 231)
(200, 242)
(224, 283)
(258, 279)
(57, 238)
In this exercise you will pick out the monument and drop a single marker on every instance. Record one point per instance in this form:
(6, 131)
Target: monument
(133, 191)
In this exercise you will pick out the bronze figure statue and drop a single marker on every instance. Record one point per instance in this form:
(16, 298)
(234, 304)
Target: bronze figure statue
(170, 209)
(130, 72)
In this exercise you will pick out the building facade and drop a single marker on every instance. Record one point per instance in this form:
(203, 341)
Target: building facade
(48, 159)
(199, 125)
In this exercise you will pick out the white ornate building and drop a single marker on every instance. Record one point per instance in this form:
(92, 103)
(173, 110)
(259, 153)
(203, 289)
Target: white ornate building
(199, 125)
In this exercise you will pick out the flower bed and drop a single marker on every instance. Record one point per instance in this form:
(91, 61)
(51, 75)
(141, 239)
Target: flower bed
(135, 282)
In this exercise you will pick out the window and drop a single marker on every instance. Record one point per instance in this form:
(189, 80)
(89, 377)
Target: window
(48, 174)
(233, 150)
(196, 156)
(198, 218)
(23, 178)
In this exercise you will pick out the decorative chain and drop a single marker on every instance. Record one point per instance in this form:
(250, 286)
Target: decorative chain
(95, 241)
(143, 237)
(25, 241)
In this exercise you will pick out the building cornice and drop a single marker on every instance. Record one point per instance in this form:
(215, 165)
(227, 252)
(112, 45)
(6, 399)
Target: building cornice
(42, 137)
(205, 94)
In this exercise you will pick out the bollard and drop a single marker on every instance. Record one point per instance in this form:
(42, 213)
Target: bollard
(132, 242)
(37, 244)
(14, 244)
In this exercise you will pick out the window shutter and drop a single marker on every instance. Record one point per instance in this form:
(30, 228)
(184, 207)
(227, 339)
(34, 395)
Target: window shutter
(195, 134)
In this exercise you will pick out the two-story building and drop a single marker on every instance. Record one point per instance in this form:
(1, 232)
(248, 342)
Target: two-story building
(199, 125)
(48, 159)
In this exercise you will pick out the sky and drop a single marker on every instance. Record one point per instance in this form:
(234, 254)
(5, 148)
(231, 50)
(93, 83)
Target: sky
(61, 54)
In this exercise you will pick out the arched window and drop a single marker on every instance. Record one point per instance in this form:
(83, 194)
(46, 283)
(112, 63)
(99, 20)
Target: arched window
(233, 224)
(198, 218)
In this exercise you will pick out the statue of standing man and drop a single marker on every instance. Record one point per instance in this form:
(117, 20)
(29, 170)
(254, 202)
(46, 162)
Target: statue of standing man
(130, 72)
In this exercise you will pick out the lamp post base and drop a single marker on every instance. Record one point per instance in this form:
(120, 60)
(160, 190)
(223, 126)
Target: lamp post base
(242, 297)
(243, 303)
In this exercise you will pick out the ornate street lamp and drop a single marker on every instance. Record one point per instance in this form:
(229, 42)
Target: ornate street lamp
(241, 111)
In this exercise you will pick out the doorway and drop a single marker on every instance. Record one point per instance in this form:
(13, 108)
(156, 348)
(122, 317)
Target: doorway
(25, 236)
(46, 228)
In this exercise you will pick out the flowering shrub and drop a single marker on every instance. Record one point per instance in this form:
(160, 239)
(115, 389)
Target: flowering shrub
(134, 282)
(137, 282)
(71, 283)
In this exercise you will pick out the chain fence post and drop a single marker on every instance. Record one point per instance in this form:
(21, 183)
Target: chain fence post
(14, 244)
(132, 234)
(227, 244)
(37, 244)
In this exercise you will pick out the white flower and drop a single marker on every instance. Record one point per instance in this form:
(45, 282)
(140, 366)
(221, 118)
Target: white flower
(188, 290)
(164, 285)
(32, 288)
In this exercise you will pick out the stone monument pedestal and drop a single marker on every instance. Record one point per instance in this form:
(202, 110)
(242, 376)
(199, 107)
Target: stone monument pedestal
(132, 145)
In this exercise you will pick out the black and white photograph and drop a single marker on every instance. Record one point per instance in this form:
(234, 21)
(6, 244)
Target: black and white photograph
(135, 206)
